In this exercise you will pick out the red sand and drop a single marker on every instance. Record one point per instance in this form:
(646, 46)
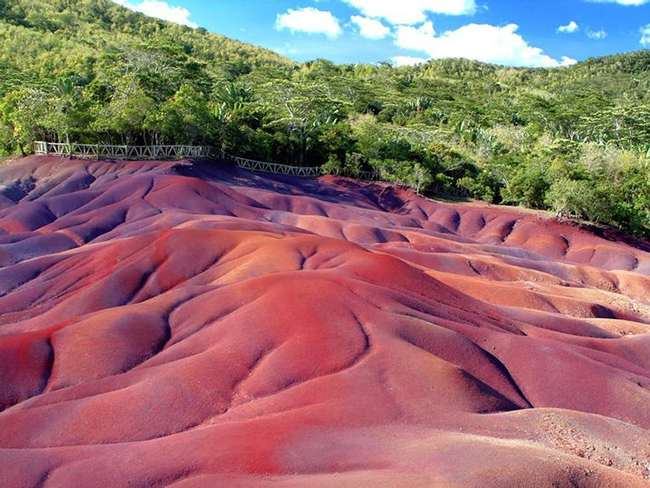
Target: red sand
(168, 324)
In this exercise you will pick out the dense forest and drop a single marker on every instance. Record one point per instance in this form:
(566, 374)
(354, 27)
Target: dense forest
(572, 140)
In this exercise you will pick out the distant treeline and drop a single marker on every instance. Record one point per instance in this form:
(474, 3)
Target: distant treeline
(573, 140)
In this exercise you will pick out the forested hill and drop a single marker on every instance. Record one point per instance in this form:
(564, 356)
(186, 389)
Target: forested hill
(574, 140)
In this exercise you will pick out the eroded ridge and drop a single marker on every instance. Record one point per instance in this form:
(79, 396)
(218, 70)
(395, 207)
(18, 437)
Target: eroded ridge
(191, 324)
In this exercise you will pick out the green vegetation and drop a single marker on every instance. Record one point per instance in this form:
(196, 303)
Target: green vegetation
(572, 140)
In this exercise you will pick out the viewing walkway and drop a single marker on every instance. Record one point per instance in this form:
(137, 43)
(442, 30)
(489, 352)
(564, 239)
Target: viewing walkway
(108, 151)
(167, 152)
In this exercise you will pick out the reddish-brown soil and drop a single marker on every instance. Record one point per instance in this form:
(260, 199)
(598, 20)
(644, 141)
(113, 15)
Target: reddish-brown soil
(197, 325)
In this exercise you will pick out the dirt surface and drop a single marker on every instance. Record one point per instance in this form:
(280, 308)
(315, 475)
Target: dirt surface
(191, 324)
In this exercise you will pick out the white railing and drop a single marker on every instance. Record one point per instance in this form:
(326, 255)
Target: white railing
(111, 151)
(108, 151)
(278, 169)
(358, 175)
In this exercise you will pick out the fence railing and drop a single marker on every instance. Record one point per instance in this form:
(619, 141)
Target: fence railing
(359, 175)
(109, 151)
(275, 168)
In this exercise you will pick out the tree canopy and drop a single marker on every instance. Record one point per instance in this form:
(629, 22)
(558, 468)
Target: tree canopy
(573, 140)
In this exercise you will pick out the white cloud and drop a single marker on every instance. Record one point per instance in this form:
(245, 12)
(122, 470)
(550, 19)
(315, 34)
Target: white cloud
(482, 42)
(567, 61)
(309, 20)
(412, 11)
(627, 3)
(416, 38)
(160, 10)
(570, 28)
(407, 60)
(645, 35)
(601, 34)
(370, 28)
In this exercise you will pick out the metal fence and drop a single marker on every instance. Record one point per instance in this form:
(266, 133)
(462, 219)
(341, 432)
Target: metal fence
(358, 175)
(278, 169)
(110, 151)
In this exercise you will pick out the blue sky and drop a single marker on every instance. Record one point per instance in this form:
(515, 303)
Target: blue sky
(519, 33)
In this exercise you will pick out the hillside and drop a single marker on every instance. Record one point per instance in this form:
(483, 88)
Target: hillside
(572, 140)
(193, 324)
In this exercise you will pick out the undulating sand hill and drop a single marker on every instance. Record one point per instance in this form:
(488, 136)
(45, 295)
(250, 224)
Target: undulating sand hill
(192, 324)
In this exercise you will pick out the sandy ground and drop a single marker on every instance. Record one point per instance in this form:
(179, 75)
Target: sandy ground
(178, 324)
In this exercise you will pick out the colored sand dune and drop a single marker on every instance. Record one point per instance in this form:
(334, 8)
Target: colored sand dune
(198, 325)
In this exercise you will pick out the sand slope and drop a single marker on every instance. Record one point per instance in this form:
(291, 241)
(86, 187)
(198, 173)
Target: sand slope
(197, 325)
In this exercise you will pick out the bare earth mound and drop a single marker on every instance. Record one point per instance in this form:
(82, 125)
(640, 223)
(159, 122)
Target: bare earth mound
(197, 325)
